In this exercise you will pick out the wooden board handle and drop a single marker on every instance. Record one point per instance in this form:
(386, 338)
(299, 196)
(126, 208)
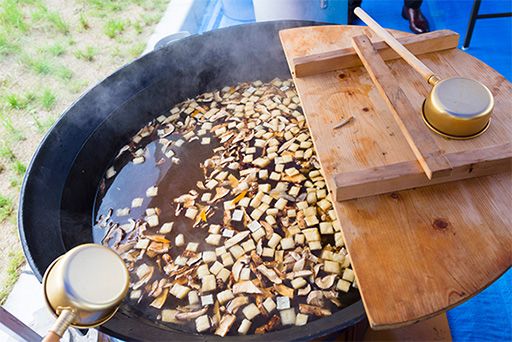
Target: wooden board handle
(413, 61)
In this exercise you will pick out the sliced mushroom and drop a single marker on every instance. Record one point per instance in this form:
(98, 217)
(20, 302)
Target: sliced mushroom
(315, 298)
(236, 303)
(270, 274)
(187, 316)
(307, 309)
(246, 287)
(225, 325)
(326, 282)
(269, 326)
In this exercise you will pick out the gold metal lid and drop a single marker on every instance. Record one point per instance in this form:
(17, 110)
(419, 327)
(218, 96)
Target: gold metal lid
(459, 108)
(95, 278)
(90, 281)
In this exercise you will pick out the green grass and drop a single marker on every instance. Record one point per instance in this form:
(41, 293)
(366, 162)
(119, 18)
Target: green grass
(6, 208)
(39, 64)
(42, 125)
(87, 54)
(51, 18)
(48, 99)
(19, 102)
(84, 22)
(12, 131)
(63, 72)
(11, 16)
(6, 151)
(7, 45)
(19, 168)
(16, 260)
(136, 49)
(56, 49)
(114, 28)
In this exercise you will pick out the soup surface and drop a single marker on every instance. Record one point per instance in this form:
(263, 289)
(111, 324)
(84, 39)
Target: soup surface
(223, 217)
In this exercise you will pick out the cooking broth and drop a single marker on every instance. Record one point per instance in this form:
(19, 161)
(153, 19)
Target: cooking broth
(213, 145)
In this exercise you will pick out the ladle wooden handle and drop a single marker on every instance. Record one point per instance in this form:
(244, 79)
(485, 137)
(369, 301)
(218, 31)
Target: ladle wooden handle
(60, 326)
(413, 61)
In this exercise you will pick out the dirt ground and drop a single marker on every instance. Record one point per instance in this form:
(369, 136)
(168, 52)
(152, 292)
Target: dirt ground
(50, 52)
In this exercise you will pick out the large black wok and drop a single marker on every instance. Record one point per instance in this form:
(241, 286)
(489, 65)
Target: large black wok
(57, 196)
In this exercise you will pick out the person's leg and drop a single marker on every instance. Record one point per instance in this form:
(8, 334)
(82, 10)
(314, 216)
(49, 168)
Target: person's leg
(415, 4)
(352, 4)
(412, 12)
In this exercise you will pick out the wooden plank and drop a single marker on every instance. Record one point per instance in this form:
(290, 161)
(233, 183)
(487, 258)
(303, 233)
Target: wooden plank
(430, 157)
(415, 252)
(408, 175)
(16, 328)
(346, 58)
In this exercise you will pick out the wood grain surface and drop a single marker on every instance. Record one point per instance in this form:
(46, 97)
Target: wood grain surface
(421, 251)
(347, 57)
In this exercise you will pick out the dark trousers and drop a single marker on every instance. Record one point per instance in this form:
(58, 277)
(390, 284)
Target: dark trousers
(408, 3)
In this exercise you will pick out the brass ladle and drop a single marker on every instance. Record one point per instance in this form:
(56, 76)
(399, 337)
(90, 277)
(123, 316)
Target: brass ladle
(457, 107)
(84, 288)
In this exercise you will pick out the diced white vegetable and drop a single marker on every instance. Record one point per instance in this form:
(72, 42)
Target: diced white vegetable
(213, 239)
(311, 220)
(244, 327)
(274, 240)
(122, 212)
(227, 259)
(253, 226)
(343, 285)
(207, 300)
(298, 283)
(287, 243)
(225, 296)
(208, 256)
(301, 319)
(191, 213)
(192, 246)
(326, 228)
(268, 252)
(216, 267)
(228, 233)
(269, 305)
(315, 245)
(202, 271)
(256, 214)
(258, 234)
(348, 275)
(208, 283)
(152, 220)
(179, 291)
(180, 240)
(206, 197)
(214, 229)
(248, 245)
(282, 302)
(251, 311)
(281, 203)
(237, 251)
(287, 316)
(237, 215)
(152, 191)
(224, 274)
(202, 323)
(166, 228)
(181, 260)
(299, 239)
(311, 234)
(332, 267)
(338, 240)
(193, 298)
(245, 274)
(137, 202)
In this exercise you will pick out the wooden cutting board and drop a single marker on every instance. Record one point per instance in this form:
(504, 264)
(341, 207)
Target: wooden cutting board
(415, 252)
